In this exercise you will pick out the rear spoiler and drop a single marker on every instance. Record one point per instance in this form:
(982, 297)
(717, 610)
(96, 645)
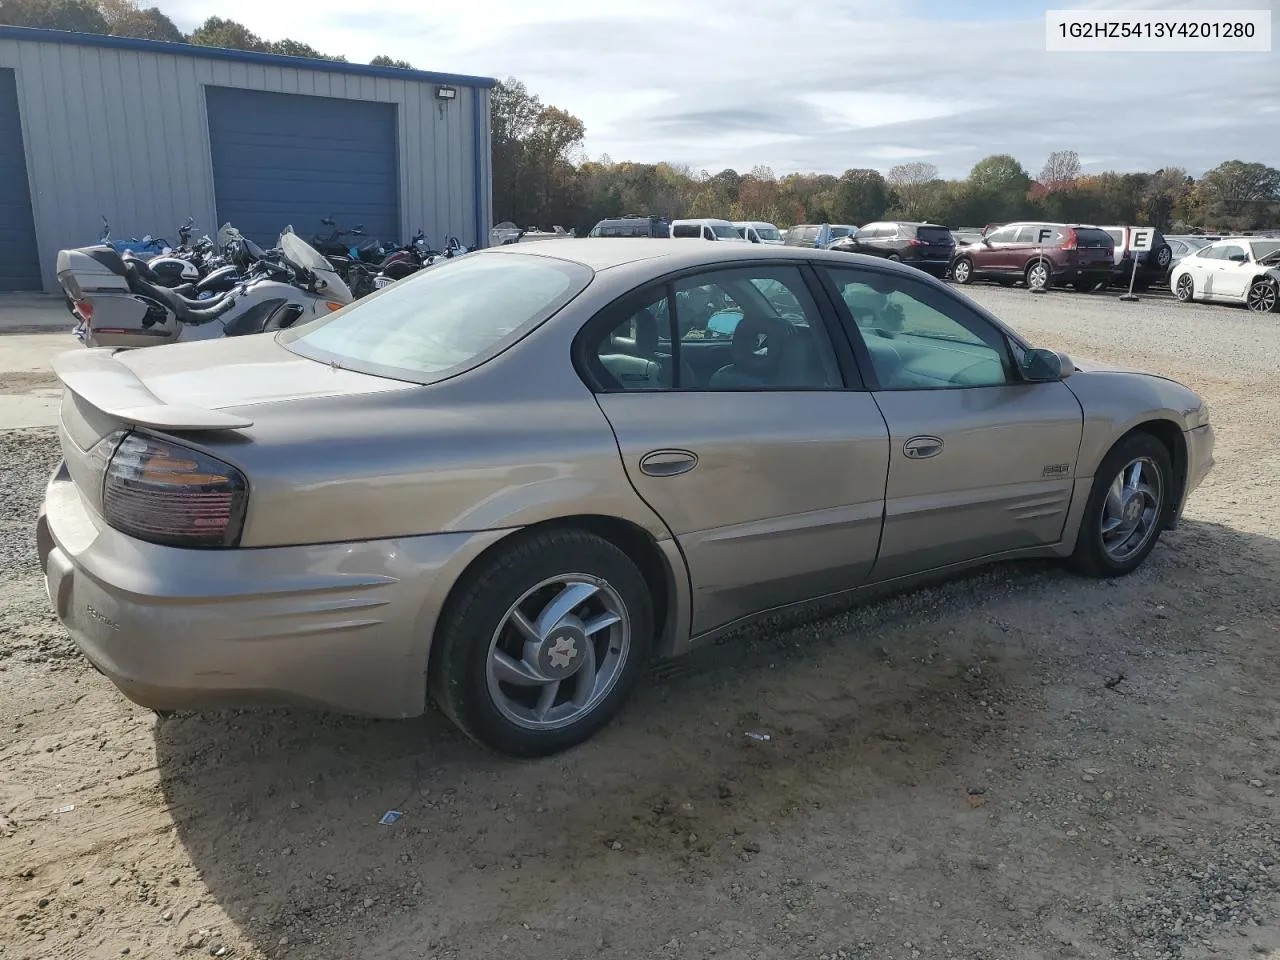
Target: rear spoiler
(100, 380)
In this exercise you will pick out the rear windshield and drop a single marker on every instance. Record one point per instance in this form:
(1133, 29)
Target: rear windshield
(1093, 237)
(443, 320)
(839, 233)
(934, 235)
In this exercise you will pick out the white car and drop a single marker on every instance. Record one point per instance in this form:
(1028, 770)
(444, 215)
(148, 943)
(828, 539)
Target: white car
(1233, 270)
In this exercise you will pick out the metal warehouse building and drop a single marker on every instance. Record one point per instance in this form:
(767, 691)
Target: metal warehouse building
(150, 133)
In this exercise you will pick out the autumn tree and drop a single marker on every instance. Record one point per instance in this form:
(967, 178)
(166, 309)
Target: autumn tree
(82, 16)
(911, 183)
(1060, 170)
(382, 60)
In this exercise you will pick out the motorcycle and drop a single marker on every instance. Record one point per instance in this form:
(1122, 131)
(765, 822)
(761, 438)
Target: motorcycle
(148, 244)
(121, 303)
(413, 257)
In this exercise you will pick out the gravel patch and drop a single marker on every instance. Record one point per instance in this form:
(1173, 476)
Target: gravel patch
(1019, 763)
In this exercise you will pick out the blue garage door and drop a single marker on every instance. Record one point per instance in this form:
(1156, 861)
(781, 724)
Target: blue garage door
(282, 158)
(19, 259)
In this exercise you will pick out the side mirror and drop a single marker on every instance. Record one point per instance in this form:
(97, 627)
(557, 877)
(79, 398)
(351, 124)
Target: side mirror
(1238, 258)
(1039, 366)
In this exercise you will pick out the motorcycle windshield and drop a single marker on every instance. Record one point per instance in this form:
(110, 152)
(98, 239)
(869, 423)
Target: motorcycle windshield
(301, 254)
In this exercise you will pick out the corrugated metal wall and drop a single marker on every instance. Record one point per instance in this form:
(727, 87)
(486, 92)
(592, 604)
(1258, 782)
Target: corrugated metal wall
(123, 132)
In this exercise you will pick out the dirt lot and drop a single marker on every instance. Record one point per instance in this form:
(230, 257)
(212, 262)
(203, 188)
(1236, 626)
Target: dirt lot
(1019, 764)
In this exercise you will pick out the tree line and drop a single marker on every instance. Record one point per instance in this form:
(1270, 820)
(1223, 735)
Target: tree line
(542, 178)
(128, 18)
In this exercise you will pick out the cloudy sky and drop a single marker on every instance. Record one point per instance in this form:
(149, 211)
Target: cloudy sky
(820, 85)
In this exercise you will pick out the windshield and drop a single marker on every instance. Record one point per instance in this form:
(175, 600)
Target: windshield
(725, 231)
(1265, 248)
(445, 319)
(300, 253)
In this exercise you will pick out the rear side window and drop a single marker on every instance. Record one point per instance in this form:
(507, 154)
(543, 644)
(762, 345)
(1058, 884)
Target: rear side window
(1093, 237)
(687, 230)
(810, 233)
(934, 235)
(446, 319)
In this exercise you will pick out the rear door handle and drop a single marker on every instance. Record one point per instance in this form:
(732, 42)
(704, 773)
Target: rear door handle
(668, 463)
(922, 448)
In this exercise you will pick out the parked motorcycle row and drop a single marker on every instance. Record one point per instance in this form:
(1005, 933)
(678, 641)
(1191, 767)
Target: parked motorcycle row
(146, 292)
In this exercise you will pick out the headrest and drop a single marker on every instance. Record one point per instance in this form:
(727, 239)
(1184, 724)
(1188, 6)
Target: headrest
(749, 353)
(645, 343)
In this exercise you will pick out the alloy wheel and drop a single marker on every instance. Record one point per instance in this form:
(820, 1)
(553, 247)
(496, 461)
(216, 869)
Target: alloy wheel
(1131, 510)
(1037, 275)
(960, 272)
(1262, 297)
(558, 651)
(1186, 288)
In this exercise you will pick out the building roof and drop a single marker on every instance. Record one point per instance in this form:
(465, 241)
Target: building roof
(35, 35)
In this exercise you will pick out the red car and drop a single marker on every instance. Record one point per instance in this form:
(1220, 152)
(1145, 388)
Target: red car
(1039, 254)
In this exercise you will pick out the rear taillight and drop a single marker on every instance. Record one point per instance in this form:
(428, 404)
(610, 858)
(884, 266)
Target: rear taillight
(916, 243)
(84, 310)
(1069, 239)
(162, 492)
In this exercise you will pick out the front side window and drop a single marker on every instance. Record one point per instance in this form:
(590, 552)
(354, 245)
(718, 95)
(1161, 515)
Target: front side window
(725, 231)
(918, 337)
(445, 319)
(1003, 235)
(1233, 252)
(768, 233)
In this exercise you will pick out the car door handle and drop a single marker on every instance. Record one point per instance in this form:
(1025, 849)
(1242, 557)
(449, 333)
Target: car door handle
(668, 463)
(922, 448)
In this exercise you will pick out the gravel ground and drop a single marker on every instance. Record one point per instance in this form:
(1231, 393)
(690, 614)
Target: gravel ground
(1017, 764)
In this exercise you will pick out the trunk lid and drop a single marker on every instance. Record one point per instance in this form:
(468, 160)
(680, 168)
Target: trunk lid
(183, 388)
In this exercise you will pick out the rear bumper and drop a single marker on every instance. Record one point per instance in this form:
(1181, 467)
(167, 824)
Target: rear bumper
(344, 626)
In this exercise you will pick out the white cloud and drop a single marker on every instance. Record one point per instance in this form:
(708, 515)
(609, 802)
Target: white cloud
(816, 85)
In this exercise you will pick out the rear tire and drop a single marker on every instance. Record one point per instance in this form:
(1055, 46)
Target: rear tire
(469, 678)
(1102, 552)
(895, 258)
(1038, 275)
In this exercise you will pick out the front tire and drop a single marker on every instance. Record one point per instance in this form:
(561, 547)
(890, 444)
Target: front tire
(1263, 296)
(1127, 508)
(542, 643)
(962, 271)
(1185, 289)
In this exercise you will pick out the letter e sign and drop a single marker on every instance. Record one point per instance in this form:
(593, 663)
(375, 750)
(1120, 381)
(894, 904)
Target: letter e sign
(1140, 239)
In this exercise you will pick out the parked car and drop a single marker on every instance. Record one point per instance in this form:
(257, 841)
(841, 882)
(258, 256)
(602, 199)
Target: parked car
(1185, 245)
(556, 480)
(632, 226)
(817, 235)
(1236, 270)
(926, 246)
(758, 231)
(1153, 264)
(706, 228)
(1040, 254)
